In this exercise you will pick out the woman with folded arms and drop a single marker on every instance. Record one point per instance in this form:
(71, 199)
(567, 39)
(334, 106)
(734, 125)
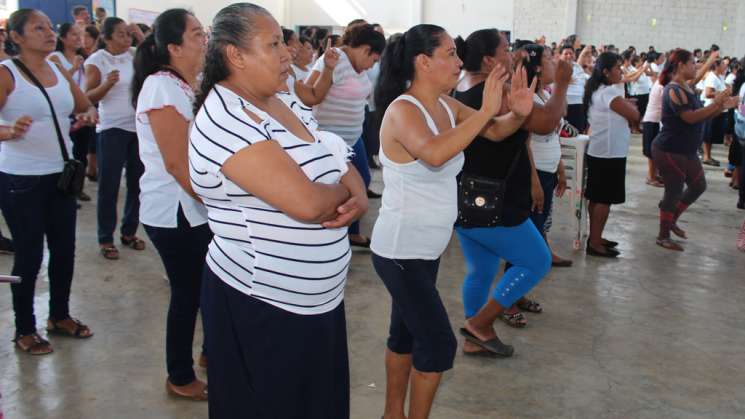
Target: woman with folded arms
(276, 268)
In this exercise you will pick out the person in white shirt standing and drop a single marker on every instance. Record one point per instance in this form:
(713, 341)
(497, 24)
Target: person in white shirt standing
(714, 128)
(167, 64)
(31, 165)
(108, 74)
(343, 108)
(609, 114)
(70, 56)
(575, 115)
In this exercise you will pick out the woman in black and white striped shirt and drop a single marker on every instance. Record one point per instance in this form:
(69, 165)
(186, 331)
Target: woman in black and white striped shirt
(279, 195)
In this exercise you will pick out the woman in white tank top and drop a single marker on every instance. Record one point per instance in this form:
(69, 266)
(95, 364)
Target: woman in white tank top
(422, 137)
(30, 166)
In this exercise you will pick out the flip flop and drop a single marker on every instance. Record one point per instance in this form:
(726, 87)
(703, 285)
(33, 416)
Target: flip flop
(493, 345)
(670, 245)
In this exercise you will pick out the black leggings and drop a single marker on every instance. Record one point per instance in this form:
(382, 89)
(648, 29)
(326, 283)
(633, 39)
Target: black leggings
(679, 170)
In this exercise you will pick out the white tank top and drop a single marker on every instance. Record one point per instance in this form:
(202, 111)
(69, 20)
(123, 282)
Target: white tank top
(419, 205)
(38, 152)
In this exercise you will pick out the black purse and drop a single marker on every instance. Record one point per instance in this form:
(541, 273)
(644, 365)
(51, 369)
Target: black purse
(481, 199)
(73, 173)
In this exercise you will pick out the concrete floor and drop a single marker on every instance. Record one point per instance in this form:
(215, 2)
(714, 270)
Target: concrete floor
(654, 334)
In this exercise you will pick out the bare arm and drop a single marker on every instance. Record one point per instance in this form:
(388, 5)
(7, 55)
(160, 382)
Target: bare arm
(626, 109)
(258, 168)
(702, 114)
(95, 87)
(315, 90)
(171, 132)
(544, 119)
(82, 104)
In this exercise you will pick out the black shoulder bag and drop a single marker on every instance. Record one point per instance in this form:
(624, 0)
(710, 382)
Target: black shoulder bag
(73, 172)
(481, 199)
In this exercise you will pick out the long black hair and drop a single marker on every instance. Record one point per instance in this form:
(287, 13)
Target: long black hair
(397, 63)
(152, 54)
(606, 61)
(739, 77)
(62, 32)
(17, 23)
(233, 25)
(479, 44)
(532, 59)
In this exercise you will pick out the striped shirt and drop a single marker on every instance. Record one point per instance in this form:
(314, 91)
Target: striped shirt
(257, 249)
(343, 110)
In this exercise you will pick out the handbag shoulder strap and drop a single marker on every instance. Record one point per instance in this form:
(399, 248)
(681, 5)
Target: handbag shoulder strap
(18, 63)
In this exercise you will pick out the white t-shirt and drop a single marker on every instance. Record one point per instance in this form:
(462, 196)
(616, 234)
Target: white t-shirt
(730, 79)
(343, 110)
(640, 87)
(610, 133)
(546, 149)
(654, 107)
(714, 81)
(257, 249)
(301, 74)
(38, 151)
(576, 88)
(160, 194)
(115, 109)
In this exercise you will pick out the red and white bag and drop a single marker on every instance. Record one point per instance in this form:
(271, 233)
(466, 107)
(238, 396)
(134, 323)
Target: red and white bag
(741, 238)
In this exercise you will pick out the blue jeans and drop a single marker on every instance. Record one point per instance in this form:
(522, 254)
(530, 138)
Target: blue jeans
(183, 251)
(548, 183)
(483, 249)
(34, 208)
(117, 149)
(359, 161)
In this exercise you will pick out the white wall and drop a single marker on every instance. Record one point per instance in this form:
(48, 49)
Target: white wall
(553, 19)
(393, 15)
(461, 17)
(10, 6)
(680, 23)
(205, 10)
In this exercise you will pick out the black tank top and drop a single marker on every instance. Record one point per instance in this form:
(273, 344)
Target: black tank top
(493, 159)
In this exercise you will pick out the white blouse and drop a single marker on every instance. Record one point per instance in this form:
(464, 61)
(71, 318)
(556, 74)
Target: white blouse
(115, 109)
(160, 194)
(257, 249)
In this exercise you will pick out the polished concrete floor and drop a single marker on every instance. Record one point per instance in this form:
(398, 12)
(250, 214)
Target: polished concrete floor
(653, 334)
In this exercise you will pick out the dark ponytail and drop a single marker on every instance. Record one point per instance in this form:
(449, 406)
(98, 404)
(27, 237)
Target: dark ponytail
(606, 61)
(532, 59)
(17, 23)
(233, 25)
(479, 44)
(62, 32)
(397, 63)
(676, 58)
(152, 54)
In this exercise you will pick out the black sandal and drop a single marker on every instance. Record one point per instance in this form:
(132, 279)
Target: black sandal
(493, 345)
(516, 320)
(80, 331)
(133, 242)
(39, 343)
(526, 304)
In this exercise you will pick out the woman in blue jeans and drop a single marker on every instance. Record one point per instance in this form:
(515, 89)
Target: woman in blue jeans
(108, 74)
(343, 108)
(31, 163)
(515, 238)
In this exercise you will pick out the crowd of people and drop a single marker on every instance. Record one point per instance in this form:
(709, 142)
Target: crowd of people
(206, 119)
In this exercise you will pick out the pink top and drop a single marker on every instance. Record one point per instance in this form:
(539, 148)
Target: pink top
(654, 107)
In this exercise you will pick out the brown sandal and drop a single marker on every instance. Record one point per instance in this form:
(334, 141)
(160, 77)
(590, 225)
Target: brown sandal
(110, 252)
(198, 397)
(81, 331)
(133, 242)
(37, 346)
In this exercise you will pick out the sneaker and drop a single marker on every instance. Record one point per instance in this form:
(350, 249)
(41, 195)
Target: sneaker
(6, 246)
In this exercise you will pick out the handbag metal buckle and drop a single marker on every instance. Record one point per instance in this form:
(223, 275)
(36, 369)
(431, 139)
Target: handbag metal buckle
(480, 201)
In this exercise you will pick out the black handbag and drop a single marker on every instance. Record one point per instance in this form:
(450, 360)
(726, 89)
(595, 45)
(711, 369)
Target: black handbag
(481, 199)
(73, 173)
